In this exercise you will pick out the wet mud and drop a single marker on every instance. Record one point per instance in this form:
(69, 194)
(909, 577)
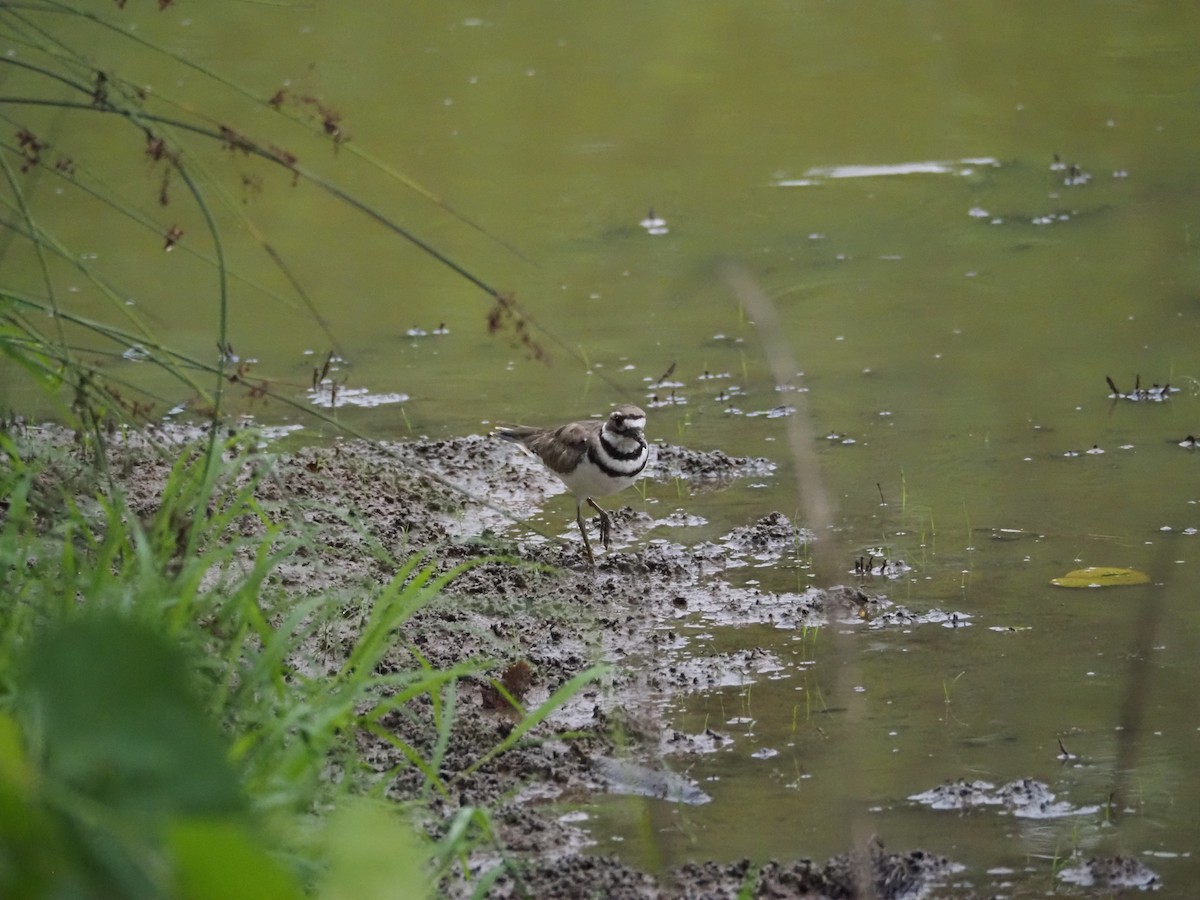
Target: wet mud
(529, 602)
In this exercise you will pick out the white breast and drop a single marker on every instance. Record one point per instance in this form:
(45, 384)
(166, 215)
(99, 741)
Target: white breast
(589, 481)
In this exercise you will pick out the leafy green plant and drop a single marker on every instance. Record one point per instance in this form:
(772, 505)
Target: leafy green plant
(129, 792)
(126, 761)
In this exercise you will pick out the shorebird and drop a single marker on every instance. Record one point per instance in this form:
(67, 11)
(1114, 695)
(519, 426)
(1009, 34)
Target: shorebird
(592, 458)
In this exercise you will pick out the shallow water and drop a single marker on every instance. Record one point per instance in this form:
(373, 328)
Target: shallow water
(890, 178)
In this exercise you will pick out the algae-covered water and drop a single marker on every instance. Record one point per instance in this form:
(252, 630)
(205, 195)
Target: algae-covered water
(966, 215)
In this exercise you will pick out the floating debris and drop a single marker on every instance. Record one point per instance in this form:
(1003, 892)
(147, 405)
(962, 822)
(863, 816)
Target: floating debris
(226, 354)
(873, 565)
(331, 394)
(1100, 576)
(839, 438)
(1010, 534)
(421, 332)
(819, 174)
(654, 224)
(978, 212)
(136, 353)
(657, 401)
(1050, 219)
(1155, 392)
(775, 412)
(1073, 176)
(722, 338)
(1064, 754)
(662, 379)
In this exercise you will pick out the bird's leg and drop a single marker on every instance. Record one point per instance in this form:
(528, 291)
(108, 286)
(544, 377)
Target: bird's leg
(605, 524)
(587, 548)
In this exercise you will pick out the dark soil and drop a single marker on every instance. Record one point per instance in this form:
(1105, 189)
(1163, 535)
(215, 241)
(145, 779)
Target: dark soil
(533, 605)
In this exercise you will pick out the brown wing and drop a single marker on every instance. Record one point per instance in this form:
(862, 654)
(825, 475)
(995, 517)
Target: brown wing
(562, 448)
(518, 434)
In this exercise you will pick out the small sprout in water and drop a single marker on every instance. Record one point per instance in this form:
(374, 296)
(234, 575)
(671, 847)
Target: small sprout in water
(654, 224)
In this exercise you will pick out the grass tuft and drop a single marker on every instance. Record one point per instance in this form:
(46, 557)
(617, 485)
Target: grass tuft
(164, 704)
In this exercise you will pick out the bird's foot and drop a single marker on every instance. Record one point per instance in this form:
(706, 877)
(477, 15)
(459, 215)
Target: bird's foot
(605, 524)
(605, 529)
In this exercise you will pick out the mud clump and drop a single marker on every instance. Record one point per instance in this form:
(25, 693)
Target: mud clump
(891, 876)
(1115, 873)
(711, 468)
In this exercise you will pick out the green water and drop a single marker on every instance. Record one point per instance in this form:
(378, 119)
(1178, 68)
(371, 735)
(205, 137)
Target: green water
(956, 323)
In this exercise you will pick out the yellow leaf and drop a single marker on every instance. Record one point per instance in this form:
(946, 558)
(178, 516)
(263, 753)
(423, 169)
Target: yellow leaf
(1100, 576)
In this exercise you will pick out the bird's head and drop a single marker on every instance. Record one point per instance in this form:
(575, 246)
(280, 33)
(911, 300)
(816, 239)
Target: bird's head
(627, 421)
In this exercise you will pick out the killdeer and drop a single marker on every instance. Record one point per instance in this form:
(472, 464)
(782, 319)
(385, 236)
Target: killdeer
(592, 458)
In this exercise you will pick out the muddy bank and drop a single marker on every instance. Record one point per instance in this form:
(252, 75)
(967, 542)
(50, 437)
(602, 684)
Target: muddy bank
(530, 603)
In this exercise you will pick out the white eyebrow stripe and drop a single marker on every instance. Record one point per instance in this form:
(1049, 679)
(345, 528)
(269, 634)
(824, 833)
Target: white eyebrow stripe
(639, 422)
